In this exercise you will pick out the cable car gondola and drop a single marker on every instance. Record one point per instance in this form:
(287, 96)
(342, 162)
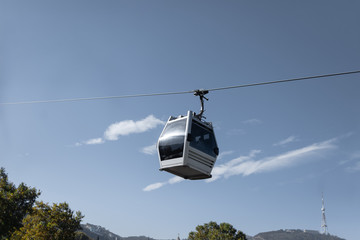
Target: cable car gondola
(187, 146)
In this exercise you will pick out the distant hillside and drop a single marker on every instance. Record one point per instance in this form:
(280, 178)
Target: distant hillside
(99, 233)
(293, 235)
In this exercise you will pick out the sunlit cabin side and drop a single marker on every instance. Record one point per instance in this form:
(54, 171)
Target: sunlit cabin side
(187, 147)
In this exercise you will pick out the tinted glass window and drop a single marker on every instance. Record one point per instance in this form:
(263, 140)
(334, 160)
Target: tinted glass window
(171, 142)
(203, 139)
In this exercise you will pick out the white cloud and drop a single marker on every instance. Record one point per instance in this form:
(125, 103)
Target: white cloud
(123, 128)
(94, 141)
(286, 141)
(223, 169)
(150, 150)
(153, 186)
(222, 154)
(175, 180)
(129, 126)
(247, 165)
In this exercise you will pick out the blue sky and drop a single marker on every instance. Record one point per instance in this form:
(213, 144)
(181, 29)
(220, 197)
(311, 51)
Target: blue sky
(281, 145)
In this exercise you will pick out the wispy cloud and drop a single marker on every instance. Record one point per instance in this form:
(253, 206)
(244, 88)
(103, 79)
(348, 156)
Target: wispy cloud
(223, 169)
(355, 167)
(286, 141)
(355, 155)
(174, 180)
(123, 128)
(23, 155)
(157, 185)
(150, 150)
(95, 141)
(240, 131)
(351, 158)
(234, 132)
(252, 121)
(154, 186)
(223, 154)
(248, 165)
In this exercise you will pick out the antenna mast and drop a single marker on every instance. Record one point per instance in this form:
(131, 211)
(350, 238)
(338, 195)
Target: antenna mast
(324, 228)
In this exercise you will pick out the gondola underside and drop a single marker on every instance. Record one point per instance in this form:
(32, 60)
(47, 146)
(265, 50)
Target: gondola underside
(186, 172)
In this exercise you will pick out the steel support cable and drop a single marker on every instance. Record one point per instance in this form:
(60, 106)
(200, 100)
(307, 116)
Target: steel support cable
(96, 98)
(285, 80)
(182, 92)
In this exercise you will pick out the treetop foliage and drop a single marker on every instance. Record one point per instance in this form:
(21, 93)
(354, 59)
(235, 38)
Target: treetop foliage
(23, 218)
(15, 204)
(56, 222)
(213, 231)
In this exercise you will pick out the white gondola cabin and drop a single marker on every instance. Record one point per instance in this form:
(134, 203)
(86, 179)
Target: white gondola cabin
(187, 147)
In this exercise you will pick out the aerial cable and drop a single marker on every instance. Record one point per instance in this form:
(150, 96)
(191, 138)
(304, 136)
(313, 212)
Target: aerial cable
(95, 98)
(285, 80)
(183, 92)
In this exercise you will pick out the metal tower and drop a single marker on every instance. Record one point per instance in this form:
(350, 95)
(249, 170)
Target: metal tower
(324, 228)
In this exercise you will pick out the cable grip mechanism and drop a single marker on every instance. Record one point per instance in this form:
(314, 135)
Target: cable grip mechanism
(201, 93)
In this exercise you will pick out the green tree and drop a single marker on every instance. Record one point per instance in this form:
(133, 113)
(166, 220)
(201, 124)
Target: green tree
(213, 231)
(82, 236)
(15, 204)
(56, 222)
